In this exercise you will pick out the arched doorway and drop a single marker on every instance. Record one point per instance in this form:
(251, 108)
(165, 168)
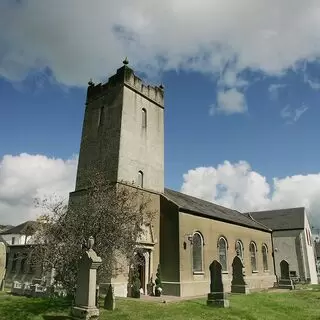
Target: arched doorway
(140, 265)
(284, 270)
(141, 269)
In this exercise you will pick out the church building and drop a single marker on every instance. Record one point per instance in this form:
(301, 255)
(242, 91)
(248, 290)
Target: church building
(124, 129)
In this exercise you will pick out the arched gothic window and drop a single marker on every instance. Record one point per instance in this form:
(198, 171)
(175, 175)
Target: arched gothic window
(197, 252)
(265, 257)
(144, 118)
(253, 249)
(140, 179)
(222, 246)
(239, 249)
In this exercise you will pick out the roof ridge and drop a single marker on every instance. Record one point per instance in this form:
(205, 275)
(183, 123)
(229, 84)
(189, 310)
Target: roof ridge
(274, 210)
(210, 202)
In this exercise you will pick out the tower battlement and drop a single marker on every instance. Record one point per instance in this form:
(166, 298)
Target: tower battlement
(125, 76)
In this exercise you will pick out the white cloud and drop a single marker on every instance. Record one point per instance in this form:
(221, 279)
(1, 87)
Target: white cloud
(78, 39)
(24, 177)
(274, 90)
(315, 85)
(293, 115)
(237, 186)
(229, 102)
(231, 79)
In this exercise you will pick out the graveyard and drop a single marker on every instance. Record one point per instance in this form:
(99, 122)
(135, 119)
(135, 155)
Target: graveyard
(297, 304)
(26, 302)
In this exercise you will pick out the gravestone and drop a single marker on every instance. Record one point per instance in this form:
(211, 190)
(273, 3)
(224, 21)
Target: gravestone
(285, 282)
(85, 297)
(109, 300)
(217, 296)
(3, 255)
(238, 284)
(17, 288)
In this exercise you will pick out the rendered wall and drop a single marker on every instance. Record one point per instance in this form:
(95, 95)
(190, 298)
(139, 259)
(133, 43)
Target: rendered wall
(190, 284)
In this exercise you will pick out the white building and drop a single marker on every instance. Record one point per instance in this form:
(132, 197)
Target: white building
(292, 242)
(19, 235)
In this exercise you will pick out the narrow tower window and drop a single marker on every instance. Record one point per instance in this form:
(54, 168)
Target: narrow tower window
(101, 117)
(144, 118)
(140, 179)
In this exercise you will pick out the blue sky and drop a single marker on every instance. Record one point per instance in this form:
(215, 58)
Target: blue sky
(234, 92)
(47, 120)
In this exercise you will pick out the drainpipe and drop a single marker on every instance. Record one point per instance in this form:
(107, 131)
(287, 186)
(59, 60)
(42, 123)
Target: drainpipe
(273, 258)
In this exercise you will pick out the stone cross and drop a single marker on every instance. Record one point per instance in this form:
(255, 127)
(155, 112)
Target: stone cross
(85, 297)
(217, 295)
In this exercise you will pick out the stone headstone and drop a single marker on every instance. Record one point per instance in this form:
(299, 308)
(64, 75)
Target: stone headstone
(17, 288)
(3, 255)
(109, 300)
(238, 283)
(85, 296)
(217, 296)
(285, 282)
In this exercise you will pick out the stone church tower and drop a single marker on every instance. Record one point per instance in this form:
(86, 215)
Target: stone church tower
(123, 131)
(123, 137)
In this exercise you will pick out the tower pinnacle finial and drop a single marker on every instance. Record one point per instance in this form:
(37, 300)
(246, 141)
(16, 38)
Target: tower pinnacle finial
(90, 83)
(125, 61)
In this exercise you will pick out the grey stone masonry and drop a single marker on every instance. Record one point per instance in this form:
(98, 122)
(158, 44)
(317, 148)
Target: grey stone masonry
(123, 132)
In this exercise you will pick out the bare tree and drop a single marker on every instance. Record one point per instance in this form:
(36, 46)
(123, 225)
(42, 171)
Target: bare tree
(113, 213)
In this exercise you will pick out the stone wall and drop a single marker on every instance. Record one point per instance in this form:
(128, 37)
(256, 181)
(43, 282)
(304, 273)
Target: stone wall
(189, 283)
(288, 247)
(113, 135)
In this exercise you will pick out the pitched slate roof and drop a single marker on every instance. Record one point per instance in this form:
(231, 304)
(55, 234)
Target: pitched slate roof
(283, 219)
(28, 226)
(4, 227)
(208, 209)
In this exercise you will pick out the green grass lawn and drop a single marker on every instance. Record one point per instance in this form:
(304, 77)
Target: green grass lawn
(297, 305)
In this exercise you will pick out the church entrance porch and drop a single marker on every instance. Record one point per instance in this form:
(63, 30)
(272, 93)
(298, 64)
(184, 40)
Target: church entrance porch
(142, 265)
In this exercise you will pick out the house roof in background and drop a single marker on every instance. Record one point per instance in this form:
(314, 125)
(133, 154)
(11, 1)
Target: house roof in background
(282, 219)
(23, 228)
(4, 227)
(208, 209)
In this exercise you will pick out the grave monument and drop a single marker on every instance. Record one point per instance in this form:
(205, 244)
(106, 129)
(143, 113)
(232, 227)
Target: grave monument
(85, 297)
(217, 296)
(238, 284)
